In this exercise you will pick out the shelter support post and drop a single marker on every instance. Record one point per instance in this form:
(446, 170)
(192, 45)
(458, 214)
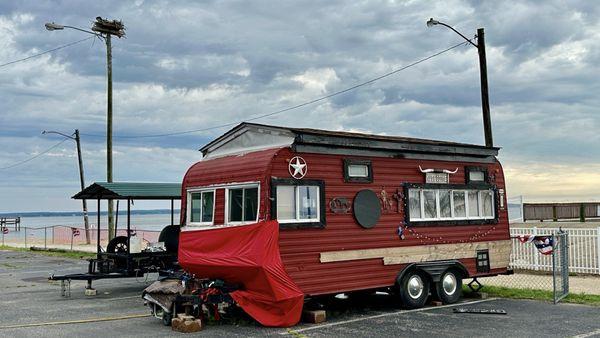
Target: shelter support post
(117, 220)
(98, 249)
(172, 212)
(128, 226)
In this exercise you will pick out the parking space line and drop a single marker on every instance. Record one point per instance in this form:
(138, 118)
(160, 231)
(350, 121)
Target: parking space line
(79, 321)
(127, 297)
(382, 315)
(589, 334)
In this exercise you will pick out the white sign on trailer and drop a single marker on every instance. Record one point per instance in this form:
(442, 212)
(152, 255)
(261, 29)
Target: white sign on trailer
(437, 178)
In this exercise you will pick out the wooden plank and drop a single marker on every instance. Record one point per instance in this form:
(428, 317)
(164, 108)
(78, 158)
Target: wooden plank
(499, 253)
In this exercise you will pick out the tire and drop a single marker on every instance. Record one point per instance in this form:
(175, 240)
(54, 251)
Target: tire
(170, 236)
(167, 318)
(413, 289)
(449, 288)
(117, 245)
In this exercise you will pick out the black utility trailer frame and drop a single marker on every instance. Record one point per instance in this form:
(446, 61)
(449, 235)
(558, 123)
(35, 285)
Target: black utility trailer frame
(122, 263)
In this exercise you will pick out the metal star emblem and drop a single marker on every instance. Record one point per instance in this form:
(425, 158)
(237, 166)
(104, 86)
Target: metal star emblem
(298, 167)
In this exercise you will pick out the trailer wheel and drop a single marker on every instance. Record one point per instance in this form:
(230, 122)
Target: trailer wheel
(167, 317)
(449, 288)
(414, 289)
(117, 245)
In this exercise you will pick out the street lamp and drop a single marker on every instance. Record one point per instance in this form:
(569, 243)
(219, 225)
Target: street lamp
(103, 29)
(485, 100)
(75, 137)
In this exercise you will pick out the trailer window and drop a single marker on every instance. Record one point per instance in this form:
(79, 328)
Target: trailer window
(298, 203)
(360, 171)
(450, 204)
(242, 205)
(201, 206)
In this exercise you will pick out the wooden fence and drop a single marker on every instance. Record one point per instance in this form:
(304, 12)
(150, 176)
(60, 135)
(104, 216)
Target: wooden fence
(560, 211)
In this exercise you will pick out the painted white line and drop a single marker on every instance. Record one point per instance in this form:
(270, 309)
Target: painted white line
(128, 297)
(589, 334)
(383, 315)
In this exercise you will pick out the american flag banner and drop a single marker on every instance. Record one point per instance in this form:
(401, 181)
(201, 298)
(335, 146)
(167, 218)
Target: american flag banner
(75, 232)
(544, 244)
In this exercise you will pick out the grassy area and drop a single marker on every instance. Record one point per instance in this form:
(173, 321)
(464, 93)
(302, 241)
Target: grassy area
(54, 253)
(504, 292)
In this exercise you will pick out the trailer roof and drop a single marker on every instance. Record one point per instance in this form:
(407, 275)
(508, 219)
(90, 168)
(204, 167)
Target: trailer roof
(308, 139)
(131, 190)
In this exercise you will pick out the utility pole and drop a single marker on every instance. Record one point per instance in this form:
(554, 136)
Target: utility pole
(82, 183)
(108, 28)
(485, 99)
(109, 117)
(104, 29)
(81, 177)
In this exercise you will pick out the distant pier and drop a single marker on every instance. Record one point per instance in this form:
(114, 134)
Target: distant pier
(11, 221)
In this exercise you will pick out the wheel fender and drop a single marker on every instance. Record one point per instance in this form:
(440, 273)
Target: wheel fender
(406, 269)
(433, 269)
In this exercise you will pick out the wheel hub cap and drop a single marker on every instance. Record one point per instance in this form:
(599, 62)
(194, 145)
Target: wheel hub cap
(415, 287)
(449, 283)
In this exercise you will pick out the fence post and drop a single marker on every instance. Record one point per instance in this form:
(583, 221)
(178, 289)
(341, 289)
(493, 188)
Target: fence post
(45, 238)
(25, 237)
(536, 263)
(53, 234)
(598, 249)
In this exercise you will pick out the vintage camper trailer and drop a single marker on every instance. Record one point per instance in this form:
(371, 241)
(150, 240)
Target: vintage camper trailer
(354, 211)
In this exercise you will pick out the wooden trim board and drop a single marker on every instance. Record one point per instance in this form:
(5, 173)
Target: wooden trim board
(499, 252)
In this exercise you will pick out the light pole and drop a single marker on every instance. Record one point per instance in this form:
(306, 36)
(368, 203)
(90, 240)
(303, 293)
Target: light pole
(104, 29)
(75, 137)
(485, 100)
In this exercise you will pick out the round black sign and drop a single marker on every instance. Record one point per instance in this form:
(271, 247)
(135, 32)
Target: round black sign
(367, 208)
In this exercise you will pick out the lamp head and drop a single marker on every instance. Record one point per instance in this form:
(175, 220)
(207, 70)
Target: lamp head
(431, 22)
(51, 26)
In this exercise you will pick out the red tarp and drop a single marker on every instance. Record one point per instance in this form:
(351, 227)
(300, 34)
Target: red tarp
(247, 255)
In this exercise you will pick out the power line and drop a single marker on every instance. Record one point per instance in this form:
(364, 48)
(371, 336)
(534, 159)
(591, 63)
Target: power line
(33, 157)
(322, 98)
(46, 52)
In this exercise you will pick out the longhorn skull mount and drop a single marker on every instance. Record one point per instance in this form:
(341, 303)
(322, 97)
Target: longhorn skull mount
(446, 171)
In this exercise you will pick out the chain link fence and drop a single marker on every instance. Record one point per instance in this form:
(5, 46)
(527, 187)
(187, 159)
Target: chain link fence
(71, 238)
(535, 268)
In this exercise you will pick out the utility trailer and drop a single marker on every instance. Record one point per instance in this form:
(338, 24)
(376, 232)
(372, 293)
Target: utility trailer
(117, 260)
(289, 213)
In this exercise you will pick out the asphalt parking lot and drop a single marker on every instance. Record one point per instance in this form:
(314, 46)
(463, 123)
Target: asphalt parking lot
(31, 306)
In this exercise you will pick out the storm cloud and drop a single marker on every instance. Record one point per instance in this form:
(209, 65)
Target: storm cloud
(188, 65)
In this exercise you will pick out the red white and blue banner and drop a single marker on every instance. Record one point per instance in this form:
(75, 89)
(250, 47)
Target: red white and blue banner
(544, 244)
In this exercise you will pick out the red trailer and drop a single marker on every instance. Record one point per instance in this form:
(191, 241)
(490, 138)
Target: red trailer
(353, 212)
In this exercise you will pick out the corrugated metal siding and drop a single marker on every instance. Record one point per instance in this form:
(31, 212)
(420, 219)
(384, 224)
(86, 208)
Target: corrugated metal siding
(251, 167)
(300, 248)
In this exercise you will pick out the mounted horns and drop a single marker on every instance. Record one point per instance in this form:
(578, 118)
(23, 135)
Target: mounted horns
(426, 170)
(450, 172)
(434, 170)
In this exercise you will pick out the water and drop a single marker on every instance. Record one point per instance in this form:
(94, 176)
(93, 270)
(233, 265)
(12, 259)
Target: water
(146, 222)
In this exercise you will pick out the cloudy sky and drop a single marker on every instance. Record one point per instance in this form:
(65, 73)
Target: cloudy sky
(190, 65)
